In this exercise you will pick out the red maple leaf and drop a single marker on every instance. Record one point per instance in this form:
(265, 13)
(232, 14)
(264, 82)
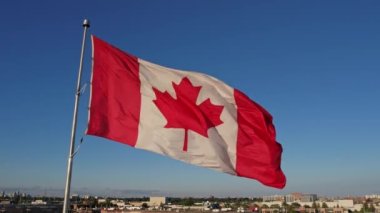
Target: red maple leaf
(184, 113)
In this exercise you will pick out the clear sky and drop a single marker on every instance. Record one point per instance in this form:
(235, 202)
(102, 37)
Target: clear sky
(315, 65)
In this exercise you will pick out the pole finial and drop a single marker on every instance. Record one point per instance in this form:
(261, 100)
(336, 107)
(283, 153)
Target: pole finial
(86, 23)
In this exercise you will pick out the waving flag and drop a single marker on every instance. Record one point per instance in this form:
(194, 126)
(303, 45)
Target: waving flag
(188, 116)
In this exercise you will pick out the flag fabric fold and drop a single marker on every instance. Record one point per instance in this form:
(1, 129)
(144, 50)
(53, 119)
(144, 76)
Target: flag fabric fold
(187, 116)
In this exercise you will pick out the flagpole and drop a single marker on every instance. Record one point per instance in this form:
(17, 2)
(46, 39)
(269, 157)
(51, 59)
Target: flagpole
(66, 202)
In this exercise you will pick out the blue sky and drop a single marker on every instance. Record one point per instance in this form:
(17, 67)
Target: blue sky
(315, 65)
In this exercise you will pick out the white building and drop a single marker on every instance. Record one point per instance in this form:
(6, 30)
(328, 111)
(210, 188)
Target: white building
(309, 197)
(374, 196)
(119, 203)
(310, 204)
(269, 204)
(102, 200)
(348, 204)
(356, 207)
(38, 202)
(156, 201)
(274, 198)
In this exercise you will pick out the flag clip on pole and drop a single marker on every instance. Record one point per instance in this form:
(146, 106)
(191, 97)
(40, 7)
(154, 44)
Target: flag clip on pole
(66, 202)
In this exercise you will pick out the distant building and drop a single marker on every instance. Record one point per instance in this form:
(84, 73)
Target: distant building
(14, 194)
(120, 204)
(271, 203)
(293, 197)
(374, 196)
(273, 198)
(74, 197)
(346, 203)
(332, 210)
(39, 202)
(299, 197)
(136, 203)
(102, 200)
(156, 201)
(308, 197)
(357, 207)
(5, 202)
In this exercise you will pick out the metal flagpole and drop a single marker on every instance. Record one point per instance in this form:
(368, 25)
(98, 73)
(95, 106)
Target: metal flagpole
(66, 202)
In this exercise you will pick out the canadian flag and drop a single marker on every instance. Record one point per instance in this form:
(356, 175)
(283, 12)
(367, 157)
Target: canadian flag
(188, 116)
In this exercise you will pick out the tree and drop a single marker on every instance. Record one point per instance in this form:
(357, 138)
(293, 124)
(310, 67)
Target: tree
(314, 205)
(290, 209)
(324, 205)
(108, 202)
(284, 204)
(144, 206)
(296, 205)
(255, 207)
(188, 201)
(365, 207)
(275, 206)
(162, 206)
(371, 208)
(227, 205)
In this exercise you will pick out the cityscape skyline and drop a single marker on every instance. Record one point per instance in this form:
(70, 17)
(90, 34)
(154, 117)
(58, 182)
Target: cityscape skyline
(313, 65)
(295, 202)
(130, 193)
(120, 193)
